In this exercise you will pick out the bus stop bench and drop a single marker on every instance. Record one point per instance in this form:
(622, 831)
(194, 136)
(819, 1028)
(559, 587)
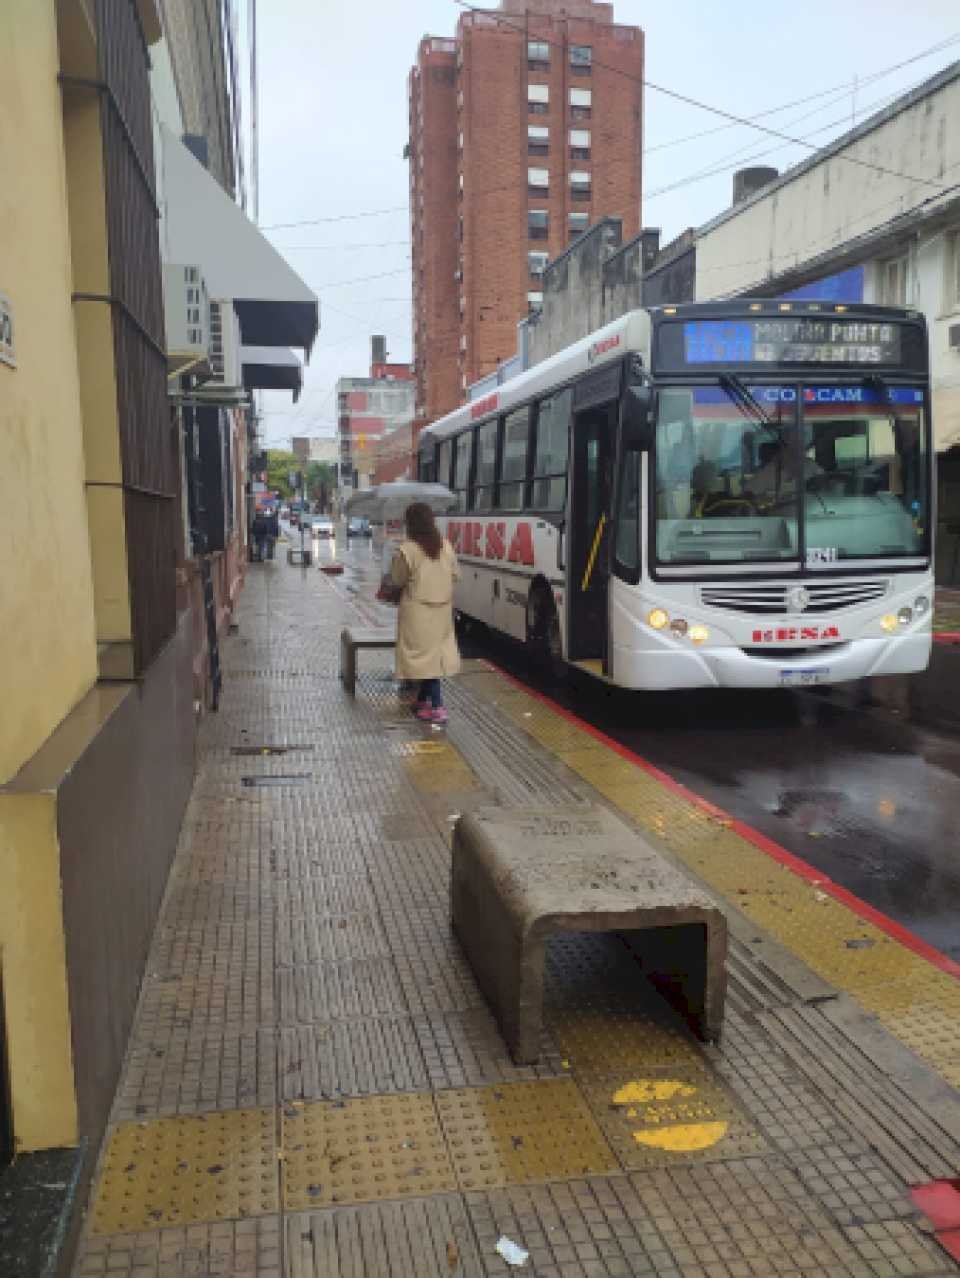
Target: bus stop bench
(520, 876)
(351, 642)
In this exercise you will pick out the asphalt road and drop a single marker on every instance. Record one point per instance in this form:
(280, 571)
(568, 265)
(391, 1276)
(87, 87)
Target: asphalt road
(861, 793)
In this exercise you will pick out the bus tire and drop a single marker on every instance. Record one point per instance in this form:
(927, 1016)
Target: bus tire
(543, 635)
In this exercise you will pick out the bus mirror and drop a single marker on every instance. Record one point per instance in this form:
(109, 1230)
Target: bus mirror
(639, 414)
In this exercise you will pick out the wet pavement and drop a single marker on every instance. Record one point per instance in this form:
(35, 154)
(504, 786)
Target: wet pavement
(857, 790)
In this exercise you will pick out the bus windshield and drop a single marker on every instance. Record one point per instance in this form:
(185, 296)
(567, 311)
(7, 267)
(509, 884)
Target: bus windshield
(743, 476)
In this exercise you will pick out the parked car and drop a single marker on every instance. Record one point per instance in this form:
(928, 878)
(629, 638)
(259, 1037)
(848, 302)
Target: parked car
(357, 527)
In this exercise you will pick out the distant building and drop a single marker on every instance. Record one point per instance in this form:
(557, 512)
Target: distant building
(524, 130)
(315, 448)
(369, 408)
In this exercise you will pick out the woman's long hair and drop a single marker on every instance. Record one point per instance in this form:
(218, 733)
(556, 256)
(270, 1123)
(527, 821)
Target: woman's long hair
(422, 528)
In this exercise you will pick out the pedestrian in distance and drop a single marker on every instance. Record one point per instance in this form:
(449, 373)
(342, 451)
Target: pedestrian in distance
(423, 570)
(259, 531)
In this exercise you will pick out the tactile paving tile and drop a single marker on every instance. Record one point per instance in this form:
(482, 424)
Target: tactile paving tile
(337, 991)
(355, 1151)
(239, 1248)
(521, 1132)
(416, 1238)
(466, 1049)
(659, 1119)
(600, 1040)
(175, 1171)
(351, 1058)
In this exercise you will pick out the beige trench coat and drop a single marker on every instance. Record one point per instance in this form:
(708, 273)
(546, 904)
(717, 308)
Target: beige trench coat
(426, 643)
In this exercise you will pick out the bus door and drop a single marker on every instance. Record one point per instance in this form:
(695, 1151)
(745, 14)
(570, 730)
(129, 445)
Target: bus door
(594, 435)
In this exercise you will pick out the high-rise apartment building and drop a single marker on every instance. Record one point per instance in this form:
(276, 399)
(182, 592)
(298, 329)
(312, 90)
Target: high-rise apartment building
(524, 130)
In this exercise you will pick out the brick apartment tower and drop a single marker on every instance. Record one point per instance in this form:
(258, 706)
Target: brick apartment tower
(524, 130)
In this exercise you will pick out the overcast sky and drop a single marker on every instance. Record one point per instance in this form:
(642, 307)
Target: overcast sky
(333, 125)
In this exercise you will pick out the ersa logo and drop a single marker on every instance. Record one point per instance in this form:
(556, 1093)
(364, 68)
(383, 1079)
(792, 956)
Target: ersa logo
(793, 634)
(600, 348)
(475, 540)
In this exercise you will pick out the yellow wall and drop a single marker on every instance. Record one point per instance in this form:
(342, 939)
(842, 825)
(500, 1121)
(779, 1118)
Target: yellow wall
(35, 995)
(47, 636)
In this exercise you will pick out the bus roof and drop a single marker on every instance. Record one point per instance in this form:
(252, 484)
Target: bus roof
(630, 332)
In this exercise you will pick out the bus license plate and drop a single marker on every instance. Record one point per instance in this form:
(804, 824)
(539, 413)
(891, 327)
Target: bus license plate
(804, 678)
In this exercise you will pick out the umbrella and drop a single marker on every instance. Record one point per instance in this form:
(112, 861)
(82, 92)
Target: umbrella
(390, 501)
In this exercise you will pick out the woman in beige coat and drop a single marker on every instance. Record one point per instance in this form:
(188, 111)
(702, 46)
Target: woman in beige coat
(425, 568)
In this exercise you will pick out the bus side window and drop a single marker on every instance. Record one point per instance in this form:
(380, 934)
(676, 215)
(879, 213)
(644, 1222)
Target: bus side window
(626, 553)
(549, 489)
(486, 466)
(463, 448)
(513, 465)
(444, 457)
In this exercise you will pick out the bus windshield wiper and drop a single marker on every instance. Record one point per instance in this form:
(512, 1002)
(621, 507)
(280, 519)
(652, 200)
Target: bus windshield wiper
(741, 396)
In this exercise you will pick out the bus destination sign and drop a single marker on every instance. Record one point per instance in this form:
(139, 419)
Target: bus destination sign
(791, 341)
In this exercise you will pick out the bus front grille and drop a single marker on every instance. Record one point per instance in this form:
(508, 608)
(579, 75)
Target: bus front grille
(800, 599)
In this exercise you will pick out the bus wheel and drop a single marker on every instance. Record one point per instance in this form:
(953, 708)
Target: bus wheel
(543, 635)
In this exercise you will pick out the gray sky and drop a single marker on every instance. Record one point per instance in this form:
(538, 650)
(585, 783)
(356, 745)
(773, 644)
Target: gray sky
(333, 124)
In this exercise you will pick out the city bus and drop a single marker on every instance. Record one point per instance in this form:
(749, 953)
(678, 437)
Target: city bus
(731, 494)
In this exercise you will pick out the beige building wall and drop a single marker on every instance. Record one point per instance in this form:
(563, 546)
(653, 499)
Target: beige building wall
(47, 637)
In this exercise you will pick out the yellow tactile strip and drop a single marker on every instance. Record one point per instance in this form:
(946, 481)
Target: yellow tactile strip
(914, 1000)
(177, 1171)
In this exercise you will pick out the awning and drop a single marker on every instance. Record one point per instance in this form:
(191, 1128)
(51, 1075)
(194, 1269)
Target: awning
(271, 368)
(202, 224)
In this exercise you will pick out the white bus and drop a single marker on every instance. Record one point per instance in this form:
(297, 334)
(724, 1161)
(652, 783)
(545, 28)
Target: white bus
(731, 494)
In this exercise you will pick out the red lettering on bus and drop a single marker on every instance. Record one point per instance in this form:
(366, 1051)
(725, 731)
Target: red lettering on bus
(484, 406)
(454, 530)
(521, 546)
(473, 539)
(496, 540)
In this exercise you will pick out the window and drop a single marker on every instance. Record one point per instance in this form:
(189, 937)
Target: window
(513, 467)
(627, 544)
(579, 223)
(538, 224)
(580, 144)
(461, 469)
(486, 474)
(538, 139)
(534, 302)
(550, 456)
(581, 102)
(538, 51)
(893, 282)
(444, 456)
(580, 185)
(538, 99)
(953, 272)
(428, 472)
(536, 263)
(538, 181)
(460, 141)
(581, 58)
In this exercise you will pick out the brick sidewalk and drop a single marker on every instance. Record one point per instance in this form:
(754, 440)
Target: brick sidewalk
(315, 1087)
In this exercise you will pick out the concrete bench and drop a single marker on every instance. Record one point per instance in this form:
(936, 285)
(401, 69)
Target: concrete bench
(352, 641)
(520, 876)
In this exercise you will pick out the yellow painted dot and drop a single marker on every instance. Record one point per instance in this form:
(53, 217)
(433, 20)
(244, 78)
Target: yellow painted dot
(684, 1137)
(645, 1090)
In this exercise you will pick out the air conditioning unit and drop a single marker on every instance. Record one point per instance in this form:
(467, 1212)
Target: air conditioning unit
(953, 337)
(225, 365)
(187, 319)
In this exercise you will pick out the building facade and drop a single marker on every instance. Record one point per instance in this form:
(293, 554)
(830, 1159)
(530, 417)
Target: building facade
(524, 130)
(873, 217)
(370, 413)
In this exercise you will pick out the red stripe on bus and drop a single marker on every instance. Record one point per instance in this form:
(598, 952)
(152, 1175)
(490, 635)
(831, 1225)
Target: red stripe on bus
(946, 636)
(760, 841)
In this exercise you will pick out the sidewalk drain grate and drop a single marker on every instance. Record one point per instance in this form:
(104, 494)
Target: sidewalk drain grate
(289, 778)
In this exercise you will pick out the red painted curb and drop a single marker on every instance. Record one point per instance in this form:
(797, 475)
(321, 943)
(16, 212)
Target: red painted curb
(777, 853)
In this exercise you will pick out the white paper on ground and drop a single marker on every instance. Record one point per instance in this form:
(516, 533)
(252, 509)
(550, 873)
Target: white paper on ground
(510, 1252)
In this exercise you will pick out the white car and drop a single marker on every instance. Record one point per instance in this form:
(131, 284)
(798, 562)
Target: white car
(321, 526)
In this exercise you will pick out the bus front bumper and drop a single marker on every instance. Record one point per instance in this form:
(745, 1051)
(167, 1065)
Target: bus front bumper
(731, 667)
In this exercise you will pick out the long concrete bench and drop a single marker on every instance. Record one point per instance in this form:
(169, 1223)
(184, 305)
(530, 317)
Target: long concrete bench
(352, 640)
(520, 876)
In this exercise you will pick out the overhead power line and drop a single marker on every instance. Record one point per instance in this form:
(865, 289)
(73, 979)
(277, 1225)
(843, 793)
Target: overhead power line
(689, 100)
(343, 217)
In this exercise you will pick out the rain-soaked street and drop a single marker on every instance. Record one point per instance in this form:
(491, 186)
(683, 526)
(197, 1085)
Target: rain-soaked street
(863, 794)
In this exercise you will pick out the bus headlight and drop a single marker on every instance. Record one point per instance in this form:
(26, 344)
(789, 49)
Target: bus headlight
(679, 627)
(905, 616)
(698, 634)
(657, 619)
(920, 605)
(888, 623)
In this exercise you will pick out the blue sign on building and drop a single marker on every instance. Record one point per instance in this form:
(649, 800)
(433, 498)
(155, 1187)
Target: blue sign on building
(845, 286)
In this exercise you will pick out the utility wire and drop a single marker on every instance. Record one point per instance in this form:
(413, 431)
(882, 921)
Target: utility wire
(344, 217)
(688, 100)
